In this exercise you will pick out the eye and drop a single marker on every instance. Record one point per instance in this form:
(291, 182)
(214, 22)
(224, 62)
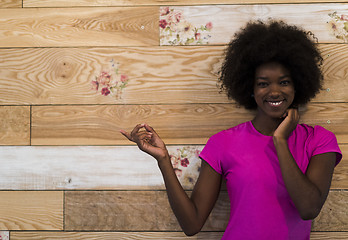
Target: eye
(262, 84)
(285, 82)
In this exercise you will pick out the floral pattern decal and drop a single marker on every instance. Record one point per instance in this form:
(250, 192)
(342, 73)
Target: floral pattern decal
(110, 82)
(339, 24)
(4, 235)
(175, 30)
(186, 165)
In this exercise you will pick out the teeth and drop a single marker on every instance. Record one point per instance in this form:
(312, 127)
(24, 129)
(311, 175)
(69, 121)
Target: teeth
(276, 103)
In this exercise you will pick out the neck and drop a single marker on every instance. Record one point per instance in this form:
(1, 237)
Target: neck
(266, 125)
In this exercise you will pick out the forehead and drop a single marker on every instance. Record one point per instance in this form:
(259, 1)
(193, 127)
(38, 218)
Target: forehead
(271, 69)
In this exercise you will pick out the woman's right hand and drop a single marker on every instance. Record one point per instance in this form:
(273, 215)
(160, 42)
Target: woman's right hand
(148, 141)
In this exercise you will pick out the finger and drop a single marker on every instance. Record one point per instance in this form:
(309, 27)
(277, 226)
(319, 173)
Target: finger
(126, 134)
(136, 129)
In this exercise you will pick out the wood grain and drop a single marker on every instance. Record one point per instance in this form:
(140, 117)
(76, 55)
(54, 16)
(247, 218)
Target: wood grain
(176, 124)
(329, 235)
(130, 211)
(334, 215)
(158, 75)
(87, 211)
(116, 168)
(227, 19)
(14, 125)
(10, 3)
(113, 235)
(42, 27)
(37, 210)
(85, 3)
(64, 76)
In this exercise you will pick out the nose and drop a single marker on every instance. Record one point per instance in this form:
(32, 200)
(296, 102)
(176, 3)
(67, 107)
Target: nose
(274, 91)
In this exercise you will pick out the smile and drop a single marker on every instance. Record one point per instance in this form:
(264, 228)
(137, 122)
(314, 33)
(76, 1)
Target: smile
(275, 104)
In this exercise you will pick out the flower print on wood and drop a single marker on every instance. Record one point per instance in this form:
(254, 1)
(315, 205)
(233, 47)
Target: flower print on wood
(175, 30)
(339, 25)
(4, 235)
(186, 164)
(110, 82)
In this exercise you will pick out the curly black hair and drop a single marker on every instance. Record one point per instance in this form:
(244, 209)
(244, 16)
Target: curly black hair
(272, 41)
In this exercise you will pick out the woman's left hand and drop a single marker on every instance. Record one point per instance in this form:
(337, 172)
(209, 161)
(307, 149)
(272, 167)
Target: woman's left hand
(288, 125)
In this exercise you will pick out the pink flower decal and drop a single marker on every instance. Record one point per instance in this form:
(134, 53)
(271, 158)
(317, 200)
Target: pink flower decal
(105, 91)
(176, 30)
(110, 82)
(339, 26)
(185, 162)
(209, 26)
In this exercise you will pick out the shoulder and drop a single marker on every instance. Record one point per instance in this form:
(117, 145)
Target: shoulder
(232, 132)
(318, 139)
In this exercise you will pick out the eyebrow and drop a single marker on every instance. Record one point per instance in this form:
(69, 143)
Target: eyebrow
(265, 78)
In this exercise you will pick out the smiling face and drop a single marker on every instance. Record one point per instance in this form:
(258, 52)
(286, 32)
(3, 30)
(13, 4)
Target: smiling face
(273, 90)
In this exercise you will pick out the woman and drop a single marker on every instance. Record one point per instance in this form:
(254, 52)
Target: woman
(278, 172)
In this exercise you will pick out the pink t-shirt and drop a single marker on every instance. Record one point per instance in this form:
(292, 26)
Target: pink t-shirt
(261, 207)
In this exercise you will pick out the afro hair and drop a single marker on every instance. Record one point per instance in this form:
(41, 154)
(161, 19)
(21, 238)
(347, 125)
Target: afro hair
(272, 41)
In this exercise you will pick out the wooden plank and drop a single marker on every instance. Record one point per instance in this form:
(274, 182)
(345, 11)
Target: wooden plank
(329, 235)
(334, 215)
(340, 178)
(51, 168)
(225, 20)
(11, 4)
(42, 27)
(168, 75)
(130, 211)
(14, 125)
(86, 3)
(176, 124)
(112, 235)
(36, 210)
(139, 211)
(119, 168)
(64, 76)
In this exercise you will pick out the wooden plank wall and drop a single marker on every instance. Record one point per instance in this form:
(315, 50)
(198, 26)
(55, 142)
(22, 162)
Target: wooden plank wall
(74, 72)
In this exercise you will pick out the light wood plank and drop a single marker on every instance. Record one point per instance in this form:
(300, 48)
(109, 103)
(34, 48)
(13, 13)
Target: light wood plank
(334, 215)
(119, 168)
(64, 76)
(10, 3)
(176, 124)
(227, 19)
(14, 125)
(167, 75)
(113, 235)
(42, 27)
(51, 168)
(130, 211)
(87, 211)
(85, 3)
(329, 235)
(31, 210)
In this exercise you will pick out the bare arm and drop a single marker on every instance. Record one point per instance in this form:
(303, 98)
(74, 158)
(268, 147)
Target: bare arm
(308, 191)
(193, 211)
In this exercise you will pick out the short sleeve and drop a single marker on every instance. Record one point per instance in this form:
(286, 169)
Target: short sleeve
(211, 153)
(325, 141)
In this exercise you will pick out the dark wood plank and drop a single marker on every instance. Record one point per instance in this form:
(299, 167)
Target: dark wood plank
(140, 211)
